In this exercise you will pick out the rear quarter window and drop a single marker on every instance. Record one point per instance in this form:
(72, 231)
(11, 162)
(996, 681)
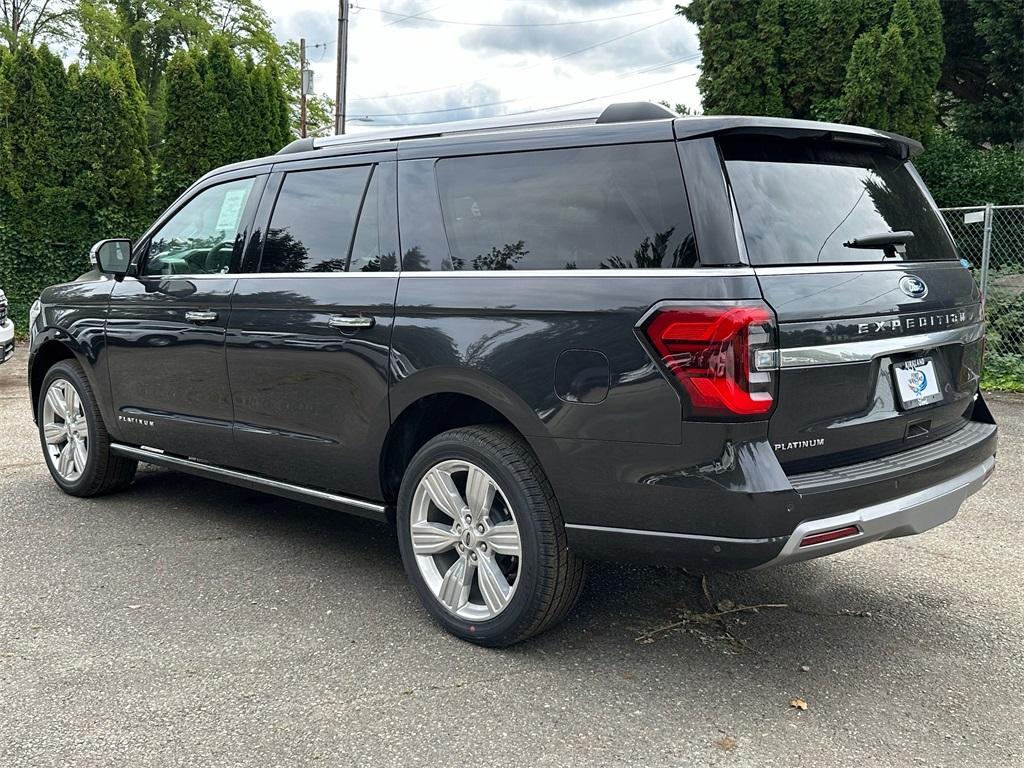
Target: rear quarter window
(799, 201)
(618, 207)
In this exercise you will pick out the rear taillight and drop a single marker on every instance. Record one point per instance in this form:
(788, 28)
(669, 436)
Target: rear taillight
(724, 356)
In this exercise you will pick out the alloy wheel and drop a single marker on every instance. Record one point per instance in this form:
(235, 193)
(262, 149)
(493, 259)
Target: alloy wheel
(465, 539)
(65, 430)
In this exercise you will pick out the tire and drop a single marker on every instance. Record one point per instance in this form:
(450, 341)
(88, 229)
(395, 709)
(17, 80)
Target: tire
(101, 471)
(544, 581)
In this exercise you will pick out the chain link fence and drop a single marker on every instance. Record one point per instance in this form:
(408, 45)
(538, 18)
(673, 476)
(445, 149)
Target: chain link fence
(991, 238)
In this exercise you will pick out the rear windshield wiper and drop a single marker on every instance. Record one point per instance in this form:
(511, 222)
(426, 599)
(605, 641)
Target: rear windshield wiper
(892, 243)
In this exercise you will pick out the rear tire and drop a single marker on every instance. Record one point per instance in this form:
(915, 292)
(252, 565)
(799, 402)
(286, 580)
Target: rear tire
(74, 438)
(505, 574)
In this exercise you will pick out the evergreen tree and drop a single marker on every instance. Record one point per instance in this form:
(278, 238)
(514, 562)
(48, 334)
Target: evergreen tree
(821, 59)
(983, 71)
(33, 245)
(109, 173)
(281, 120)
(264, 127)
(218, 110)
(187, 151)
(221, 96)
(30, 136)
(800, 58)
(6, 175)
(767, 55)
(862, 96)
(731, 74)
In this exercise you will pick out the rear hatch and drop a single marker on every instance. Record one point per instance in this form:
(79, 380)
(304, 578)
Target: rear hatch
(880, 330)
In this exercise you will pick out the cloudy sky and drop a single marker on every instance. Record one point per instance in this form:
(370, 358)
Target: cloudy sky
(477, 58)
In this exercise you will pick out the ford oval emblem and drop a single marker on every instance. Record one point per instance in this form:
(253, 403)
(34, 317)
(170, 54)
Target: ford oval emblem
(913, 286)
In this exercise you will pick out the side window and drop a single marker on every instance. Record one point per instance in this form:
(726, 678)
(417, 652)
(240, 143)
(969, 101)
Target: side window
(200, 238)
(375, 248)
(616, 207)
(424, 244)
(313, 220)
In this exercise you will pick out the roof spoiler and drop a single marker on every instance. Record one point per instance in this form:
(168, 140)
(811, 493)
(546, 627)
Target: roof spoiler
(901, 147)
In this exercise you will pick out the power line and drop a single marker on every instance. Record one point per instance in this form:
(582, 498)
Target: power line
(574, 103)
(389, 24)
(517, 69)
(403, 17)
(521, 98)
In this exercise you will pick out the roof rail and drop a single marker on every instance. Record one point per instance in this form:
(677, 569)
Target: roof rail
(614, 113)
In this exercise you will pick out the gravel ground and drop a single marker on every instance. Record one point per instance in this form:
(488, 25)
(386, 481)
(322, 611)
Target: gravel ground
(187, 623)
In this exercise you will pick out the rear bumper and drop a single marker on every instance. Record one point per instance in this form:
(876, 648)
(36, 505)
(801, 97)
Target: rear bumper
(905, 516)
(6, 340)
(742, 512)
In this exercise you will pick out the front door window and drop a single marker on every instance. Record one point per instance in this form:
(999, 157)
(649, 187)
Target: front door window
(200, 238)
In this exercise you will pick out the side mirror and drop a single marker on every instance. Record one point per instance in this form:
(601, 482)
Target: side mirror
(112, 257)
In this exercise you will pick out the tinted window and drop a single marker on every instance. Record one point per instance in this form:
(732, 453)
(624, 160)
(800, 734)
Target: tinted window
(589, 208)
(424, 244)
(800, 201)
(200, 238)
(313, 220)
(375, 248)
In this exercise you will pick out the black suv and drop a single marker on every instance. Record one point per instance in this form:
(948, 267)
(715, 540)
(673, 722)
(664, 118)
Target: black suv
(719, 342)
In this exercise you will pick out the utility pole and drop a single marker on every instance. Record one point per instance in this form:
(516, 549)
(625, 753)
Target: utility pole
(339, 96)
(302, 87)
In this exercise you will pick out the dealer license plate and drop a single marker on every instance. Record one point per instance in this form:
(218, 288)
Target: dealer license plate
(916, 382)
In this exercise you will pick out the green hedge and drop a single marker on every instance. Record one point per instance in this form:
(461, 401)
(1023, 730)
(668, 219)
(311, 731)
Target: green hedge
(75, 156)
(1004, 342)
(960, 174)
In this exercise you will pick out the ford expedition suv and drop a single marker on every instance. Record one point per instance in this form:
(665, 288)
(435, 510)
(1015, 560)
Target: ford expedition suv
(718, 342)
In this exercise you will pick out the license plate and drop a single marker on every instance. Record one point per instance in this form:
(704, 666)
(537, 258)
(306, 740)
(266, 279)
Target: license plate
(916, 382)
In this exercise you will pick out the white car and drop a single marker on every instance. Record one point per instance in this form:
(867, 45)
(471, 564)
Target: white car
(6, 331)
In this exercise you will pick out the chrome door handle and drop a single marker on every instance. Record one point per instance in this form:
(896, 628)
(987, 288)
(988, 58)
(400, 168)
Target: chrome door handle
(344, 323)
(201, 316)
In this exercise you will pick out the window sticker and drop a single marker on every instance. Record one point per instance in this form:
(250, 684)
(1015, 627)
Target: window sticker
(231, 209)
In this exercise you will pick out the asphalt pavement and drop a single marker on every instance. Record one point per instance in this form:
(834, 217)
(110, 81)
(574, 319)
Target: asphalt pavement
(188, 623)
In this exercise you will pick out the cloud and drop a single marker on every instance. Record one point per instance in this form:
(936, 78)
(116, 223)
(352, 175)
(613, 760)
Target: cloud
(620, 45)
(587, 4)
(440, 107)
(398, 13)
(426, 68)
(317, 28)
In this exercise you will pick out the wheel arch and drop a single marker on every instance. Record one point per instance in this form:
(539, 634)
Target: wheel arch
(45, 355)
(424, 406)
(51, 347)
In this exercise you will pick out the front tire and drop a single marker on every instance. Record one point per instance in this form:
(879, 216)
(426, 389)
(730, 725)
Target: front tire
(482, 537)
(74, 438)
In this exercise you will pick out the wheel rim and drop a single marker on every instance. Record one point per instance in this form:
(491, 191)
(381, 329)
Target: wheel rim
(65, 430)
(466, 540)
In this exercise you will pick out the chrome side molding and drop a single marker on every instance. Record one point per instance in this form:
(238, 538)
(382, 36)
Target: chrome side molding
(255, 482)
(867, 350)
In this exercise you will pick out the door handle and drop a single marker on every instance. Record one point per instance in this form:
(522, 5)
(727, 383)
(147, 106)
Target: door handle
(345, 323)
(201, 316)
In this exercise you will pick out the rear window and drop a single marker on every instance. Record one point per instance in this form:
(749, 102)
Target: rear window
(799, 201)
(619, 207)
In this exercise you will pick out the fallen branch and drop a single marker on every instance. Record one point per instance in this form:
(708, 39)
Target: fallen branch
(716, 616)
